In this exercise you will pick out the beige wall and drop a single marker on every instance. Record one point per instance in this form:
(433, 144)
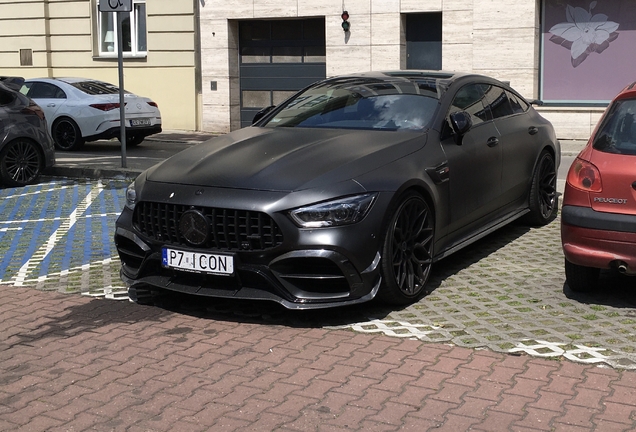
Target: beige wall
(499, 38)
(60, 33)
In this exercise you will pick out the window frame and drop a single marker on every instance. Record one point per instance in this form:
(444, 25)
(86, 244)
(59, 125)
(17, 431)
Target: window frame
(134, 17)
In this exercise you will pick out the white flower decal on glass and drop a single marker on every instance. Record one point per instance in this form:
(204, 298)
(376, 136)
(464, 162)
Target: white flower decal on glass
(584, 33)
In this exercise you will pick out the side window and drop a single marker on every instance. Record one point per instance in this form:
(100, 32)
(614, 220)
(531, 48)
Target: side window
(517, 104)
(470, 98)
(6, 97)
(40, 90)
(497, 101)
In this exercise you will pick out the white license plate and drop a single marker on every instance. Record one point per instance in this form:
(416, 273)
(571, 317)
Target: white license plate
(140, 122)
(198, 262)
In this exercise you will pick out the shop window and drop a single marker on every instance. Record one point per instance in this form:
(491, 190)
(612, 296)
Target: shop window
(134, 32)
(587, 50)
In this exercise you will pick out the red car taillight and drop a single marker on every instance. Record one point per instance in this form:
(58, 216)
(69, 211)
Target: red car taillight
(585, 176)
(105, 106)
(154, 104)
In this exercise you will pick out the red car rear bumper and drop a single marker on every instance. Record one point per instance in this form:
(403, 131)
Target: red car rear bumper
(597, 247)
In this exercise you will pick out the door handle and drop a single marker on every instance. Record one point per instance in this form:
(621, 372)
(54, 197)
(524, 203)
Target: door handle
(533, 130)
(50, 105)
(493, 141)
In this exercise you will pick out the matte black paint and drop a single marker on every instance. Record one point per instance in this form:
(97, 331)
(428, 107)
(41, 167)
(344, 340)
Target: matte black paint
(473, 188)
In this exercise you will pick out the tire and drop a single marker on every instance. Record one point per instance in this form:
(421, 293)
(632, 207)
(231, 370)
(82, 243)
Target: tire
(581, 278)
(133, 140)
(407, 252)
(20, 163)
(67, 135)
(543, 201)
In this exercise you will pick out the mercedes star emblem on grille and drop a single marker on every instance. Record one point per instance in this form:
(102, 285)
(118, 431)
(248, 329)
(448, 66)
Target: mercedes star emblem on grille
(194, 227)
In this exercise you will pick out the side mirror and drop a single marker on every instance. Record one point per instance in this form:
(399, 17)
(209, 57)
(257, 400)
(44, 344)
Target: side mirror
(461, 123)
(262, 113)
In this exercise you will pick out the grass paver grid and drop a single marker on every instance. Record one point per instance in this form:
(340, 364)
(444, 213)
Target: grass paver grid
(506, 292)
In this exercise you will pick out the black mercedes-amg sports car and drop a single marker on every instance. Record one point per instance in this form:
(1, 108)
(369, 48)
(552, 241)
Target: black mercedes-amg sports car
(349, 190)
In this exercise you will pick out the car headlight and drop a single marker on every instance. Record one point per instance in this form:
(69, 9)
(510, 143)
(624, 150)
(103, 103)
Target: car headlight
(342, 211)
(131, 196)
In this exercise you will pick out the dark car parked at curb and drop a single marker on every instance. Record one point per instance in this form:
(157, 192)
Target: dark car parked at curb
(598, 221)
(26, 148)
(348, 191)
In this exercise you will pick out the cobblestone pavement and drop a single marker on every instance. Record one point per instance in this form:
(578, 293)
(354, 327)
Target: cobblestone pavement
(506, 293)
(466, 357)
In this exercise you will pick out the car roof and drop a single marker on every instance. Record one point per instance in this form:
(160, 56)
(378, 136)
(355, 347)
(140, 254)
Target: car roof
(67, 80)
(628, 92)
(442, 79)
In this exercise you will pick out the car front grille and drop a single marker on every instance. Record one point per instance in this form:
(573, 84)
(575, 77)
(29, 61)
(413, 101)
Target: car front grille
(229, 229)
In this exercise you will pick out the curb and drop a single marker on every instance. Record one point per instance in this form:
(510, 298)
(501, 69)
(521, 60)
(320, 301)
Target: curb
(92, 173)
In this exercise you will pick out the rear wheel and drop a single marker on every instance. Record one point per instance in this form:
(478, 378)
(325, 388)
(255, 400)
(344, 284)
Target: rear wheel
(20, 163)
(407, 254)
(543, 201)
(67, 135)
(581, 278)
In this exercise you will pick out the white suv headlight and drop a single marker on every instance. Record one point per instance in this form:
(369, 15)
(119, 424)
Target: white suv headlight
(342, 211)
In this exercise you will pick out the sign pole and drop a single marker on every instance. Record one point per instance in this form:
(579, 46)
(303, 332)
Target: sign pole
(122, 104)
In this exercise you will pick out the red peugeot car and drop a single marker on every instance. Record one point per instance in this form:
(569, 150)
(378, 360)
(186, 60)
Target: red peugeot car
(598, 220)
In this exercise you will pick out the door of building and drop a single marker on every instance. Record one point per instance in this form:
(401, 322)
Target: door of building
(278, 58)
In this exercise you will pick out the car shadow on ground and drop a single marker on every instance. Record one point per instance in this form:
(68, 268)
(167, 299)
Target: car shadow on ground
(261, 312)
(613, 289)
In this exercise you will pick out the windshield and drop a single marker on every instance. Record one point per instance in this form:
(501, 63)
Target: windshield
(617, 134)
(355, 105)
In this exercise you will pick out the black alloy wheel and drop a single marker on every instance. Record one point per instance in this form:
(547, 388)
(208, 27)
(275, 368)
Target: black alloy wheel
(67, 135)
(20, 163)
(543, 200)
(407, 254)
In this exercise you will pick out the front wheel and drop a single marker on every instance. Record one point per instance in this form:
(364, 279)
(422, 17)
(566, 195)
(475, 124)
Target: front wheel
(20, 163)
(407, 253)
(543, 201)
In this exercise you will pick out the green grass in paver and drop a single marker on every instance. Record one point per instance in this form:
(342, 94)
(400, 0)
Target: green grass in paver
(627, 321)
(539, 332)
(590, 317)
(524, 309)
(575, 336)
(506, 346)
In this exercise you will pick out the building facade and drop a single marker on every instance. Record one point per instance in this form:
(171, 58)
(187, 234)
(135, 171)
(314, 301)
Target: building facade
(56, 38)
(574, 55)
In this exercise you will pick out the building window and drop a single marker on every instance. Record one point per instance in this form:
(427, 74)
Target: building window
(587, 52)
(133, 29)
(424, 40)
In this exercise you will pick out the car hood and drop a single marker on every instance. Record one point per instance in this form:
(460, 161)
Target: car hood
(285, 159)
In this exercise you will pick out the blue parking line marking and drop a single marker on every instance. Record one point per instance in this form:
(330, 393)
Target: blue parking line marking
(51, 233)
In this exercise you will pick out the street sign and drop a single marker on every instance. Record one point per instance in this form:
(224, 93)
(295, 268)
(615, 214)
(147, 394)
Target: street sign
(115, 6)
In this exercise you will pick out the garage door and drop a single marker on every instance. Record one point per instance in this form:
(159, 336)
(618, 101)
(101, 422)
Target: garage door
(278, 58)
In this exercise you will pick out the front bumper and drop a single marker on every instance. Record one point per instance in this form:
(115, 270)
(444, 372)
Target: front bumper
(301, 269)
(597, 239)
